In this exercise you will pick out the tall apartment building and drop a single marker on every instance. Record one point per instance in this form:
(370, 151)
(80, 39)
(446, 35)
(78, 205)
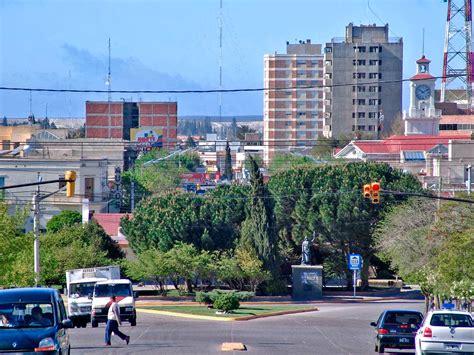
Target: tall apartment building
(117, 119)
(362, 78)
(293, 101)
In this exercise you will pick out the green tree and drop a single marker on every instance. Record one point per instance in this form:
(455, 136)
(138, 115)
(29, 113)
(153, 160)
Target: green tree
(161, 221)
(336, 211)
(63, 219)
(5, 121)
(258, 230)
(13, 242)
(190, 143)
(228, 163)
(252, 268)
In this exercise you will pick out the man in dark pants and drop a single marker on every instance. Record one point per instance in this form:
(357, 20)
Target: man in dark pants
(113, 322)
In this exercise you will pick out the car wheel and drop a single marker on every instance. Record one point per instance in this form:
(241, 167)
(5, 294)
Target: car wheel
(84, 324)
(94, 323)
(133, 322)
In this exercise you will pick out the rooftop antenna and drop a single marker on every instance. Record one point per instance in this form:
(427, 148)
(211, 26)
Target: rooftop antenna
(423, 45)
(31, 104)
(108, 82)
(220, 61)
(109, 96)
(70, 102)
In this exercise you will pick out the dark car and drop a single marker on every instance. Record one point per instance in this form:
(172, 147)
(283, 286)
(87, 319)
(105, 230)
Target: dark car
(33, 320)
(396, 329)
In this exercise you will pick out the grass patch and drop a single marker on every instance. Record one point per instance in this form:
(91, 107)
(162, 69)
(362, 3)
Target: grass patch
(241, 312)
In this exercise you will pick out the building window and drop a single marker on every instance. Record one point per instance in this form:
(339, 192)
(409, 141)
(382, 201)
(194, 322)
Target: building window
(358, 75)
(374, 102)
(375, 75)
(300, 73)
(288, 123)
(328, 76)
(328, 62)
(358, 101)
(371, 128)
(361, 128)
(360, 49)
(375, 62)
(300, 124)
(358, 88)
(358, 62)
(375, 88)
(328, 50)
(375, 49)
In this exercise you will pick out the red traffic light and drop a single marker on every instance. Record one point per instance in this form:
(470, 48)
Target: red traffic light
(375, 186)
(366, 191)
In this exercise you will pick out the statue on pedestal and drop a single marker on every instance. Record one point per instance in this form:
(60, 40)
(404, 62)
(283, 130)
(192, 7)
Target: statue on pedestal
(306, 250)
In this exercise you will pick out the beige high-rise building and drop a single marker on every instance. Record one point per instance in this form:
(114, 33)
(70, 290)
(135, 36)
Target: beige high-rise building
(293, 101)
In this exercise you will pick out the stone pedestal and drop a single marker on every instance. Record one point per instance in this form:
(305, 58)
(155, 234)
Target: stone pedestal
(307, 282)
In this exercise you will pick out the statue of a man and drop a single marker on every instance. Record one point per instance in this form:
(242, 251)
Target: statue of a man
(306, 251)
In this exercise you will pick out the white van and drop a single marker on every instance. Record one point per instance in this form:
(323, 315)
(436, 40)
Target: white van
(122, 290)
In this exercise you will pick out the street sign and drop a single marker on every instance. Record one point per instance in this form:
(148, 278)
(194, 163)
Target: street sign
(355, 262)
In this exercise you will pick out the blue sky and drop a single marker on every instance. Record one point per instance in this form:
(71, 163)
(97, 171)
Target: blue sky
(174, 44)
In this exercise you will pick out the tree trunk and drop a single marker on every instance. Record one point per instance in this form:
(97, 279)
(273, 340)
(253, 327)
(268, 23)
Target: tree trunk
(189, 285)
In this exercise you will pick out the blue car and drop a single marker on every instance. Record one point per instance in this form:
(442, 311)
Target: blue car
(33, 320)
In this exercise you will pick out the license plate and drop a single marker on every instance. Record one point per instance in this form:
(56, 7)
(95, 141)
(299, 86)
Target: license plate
(452, 346)
(404, 340)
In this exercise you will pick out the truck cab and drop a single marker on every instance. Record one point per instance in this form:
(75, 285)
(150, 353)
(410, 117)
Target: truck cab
(122, 290)
(80, 289)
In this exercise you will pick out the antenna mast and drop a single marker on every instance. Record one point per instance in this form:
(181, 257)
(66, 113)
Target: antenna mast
(220, 62)
(109, 96)
(458, 57)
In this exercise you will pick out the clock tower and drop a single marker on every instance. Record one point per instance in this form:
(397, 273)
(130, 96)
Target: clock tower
(422, 117)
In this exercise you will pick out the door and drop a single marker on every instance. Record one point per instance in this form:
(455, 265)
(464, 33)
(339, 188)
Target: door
(89, 188)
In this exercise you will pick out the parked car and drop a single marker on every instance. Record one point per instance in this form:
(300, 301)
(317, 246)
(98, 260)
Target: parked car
(33, 320)
(396, 329)
(446, 331)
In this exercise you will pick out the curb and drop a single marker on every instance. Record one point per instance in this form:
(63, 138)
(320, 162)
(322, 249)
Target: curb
(228, 319)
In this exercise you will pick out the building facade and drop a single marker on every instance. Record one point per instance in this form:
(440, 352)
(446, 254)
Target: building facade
(293, 99)
(362, 78)
(118, 119)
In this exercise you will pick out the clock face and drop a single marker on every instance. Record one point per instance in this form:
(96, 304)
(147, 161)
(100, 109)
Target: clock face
(422, 92)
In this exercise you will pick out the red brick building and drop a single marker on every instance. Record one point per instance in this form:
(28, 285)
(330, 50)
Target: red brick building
(115, 119)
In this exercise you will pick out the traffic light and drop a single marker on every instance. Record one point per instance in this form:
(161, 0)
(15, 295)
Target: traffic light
(70, 177)
(366, 191)
(375, 189)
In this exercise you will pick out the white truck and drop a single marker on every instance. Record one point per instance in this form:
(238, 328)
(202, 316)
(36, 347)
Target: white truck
(125, 297)
(80, 289)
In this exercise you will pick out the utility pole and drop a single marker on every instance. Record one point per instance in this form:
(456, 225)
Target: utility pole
(132, 195)
(36, 225)
(468, 182)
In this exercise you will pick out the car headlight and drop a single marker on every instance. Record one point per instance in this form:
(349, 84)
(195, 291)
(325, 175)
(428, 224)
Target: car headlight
(98, 310)
(47, 344)
(128, 309)
(73, 306)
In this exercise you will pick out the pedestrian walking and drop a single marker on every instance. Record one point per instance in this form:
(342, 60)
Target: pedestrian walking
(113, 322)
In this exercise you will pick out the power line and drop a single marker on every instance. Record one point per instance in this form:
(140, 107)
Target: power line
(204, 91)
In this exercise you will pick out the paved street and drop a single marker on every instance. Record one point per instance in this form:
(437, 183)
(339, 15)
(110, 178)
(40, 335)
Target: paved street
(335, 329)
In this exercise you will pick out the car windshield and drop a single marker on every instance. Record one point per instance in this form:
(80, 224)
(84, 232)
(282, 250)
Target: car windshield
(82, 289)
(402, 318)
(112, 289)
(451, 320)
(26, 315)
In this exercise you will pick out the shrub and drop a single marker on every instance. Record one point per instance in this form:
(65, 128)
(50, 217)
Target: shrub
(227, 302)
(204, 297)
(245, 296)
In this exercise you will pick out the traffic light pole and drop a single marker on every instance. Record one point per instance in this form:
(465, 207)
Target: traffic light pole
(37, 198)
(36, 222)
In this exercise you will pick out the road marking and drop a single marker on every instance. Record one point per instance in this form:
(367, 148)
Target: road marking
(233, 347)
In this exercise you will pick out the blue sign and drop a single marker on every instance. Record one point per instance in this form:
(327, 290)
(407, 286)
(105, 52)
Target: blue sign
(355, 261)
